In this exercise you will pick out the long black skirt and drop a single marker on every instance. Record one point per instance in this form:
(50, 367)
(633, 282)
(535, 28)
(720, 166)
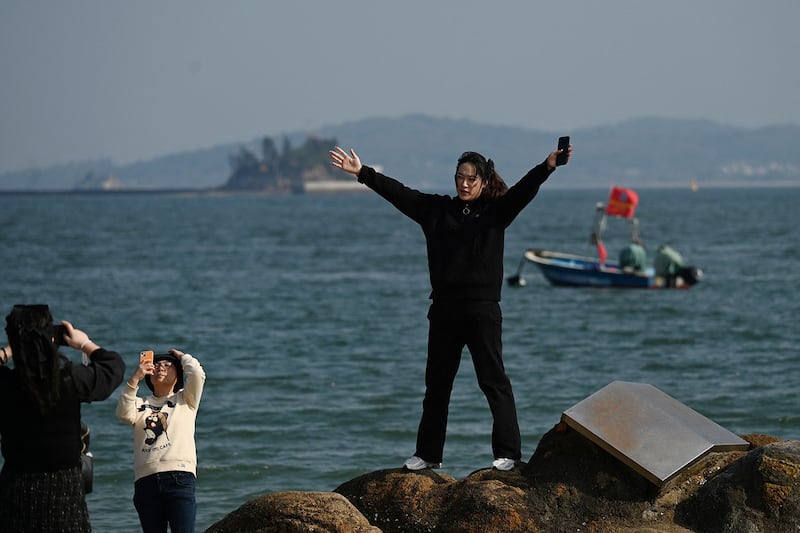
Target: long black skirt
(43, 502)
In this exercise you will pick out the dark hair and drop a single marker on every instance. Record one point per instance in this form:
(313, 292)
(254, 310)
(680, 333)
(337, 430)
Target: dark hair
(495, 186)
(37, 362)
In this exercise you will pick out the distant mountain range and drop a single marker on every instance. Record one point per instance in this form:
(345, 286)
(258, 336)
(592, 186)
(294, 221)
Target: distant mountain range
(422, 151)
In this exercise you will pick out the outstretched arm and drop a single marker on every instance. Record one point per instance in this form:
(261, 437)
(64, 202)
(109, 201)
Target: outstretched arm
(521, 193)
(350, 163)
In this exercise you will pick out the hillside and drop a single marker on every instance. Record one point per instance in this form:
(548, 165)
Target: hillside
(421, 151)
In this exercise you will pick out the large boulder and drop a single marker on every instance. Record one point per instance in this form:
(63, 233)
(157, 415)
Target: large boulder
(759, 492)
(295, 512)
(402, 501)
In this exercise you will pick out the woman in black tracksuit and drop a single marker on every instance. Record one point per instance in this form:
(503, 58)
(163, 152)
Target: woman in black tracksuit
(464, 237)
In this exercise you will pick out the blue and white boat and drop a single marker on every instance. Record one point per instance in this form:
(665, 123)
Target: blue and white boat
(568, 270)
(631, 271)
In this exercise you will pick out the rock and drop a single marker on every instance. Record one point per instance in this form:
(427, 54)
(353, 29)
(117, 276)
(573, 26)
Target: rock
(759, 492)
(396, 501)
(295, 512)
(569, 484)
(401, 501)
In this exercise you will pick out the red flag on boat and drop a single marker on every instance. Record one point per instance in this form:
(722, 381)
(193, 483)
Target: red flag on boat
(622, 202)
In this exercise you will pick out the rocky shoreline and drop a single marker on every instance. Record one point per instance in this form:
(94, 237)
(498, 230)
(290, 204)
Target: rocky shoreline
(569, 484)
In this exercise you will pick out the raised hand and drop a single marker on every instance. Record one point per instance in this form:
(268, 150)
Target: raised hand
(350, 163)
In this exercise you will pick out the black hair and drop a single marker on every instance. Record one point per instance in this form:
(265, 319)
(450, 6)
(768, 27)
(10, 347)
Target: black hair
(495, 186)
(37, 362)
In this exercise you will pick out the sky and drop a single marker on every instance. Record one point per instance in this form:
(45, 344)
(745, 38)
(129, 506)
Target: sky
(86, 79)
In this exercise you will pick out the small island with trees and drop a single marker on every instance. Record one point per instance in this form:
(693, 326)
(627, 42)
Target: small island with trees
(290, 170)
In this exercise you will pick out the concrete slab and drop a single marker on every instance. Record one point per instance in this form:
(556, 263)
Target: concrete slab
(648, 430)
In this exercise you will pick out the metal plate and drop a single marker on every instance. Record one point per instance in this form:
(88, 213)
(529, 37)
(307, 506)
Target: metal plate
(648, 430)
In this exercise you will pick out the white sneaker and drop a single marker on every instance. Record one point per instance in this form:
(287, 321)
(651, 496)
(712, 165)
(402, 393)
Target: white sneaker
(504, 464)
(418, 463)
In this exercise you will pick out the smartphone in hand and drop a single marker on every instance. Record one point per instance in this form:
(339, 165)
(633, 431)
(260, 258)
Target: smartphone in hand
(60, 331)
(563, 144)
(146, 357)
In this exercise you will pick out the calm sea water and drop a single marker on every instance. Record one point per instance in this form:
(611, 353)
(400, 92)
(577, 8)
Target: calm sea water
(308, 314)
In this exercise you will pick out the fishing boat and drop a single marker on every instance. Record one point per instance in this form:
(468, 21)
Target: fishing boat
(668, 270)
(568, 270)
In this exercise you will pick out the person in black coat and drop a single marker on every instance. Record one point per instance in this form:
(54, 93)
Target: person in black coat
(41, 391)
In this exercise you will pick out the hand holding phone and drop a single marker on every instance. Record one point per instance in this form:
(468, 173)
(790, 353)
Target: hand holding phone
(563, 144)
(146, 357)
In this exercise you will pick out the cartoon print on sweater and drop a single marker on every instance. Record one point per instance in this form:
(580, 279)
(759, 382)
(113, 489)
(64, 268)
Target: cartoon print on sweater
(155, 423)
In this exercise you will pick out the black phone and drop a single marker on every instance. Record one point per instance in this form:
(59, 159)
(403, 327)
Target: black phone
(60, 331)
(563, 144)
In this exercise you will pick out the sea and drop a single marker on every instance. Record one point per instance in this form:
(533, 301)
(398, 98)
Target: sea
(308, 314)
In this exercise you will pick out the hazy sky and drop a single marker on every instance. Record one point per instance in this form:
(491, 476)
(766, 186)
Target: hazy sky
(133, 80)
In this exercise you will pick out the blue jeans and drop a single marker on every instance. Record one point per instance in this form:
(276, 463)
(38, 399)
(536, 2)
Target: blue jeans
(166, 498)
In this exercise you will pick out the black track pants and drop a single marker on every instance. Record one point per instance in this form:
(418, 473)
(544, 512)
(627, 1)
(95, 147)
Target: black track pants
(478, 326)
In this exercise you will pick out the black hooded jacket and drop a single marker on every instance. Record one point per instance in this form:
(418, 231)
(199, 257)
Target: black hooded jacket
(464, 240)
